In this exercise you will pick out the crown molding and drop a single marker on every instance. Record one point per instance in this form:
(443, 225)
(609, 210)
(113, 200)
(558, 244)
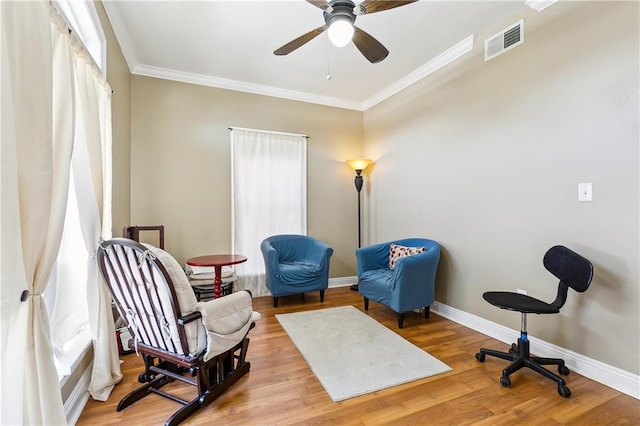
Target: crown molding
(240, 86)
(539, 5)
(430, 67)
(433, 65)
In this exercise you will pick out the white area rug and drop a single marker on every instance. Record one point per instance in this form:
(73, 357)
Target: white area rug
(352, 354)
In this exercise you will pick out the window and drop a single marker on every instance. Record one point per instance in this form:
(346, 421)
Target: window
(82, 17)
(66, 293)
(268, 196)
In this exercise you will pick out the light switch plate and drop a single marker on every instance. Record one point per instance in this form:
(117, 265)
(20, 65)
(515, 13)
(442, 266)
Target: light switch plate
(585, 191)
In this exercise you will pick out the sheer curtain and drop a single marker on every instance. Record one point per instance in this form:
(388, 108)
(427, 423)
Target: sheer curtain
(268, 196)
(65, 294)
(92, 174)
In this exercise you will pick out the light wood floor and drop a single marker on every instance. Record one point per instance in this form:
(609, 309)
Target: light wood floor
(282, 390)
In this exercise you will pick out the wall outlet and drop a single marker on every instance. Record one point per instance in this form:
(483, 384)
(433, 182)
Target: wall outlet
(521, 291)
(585, 192)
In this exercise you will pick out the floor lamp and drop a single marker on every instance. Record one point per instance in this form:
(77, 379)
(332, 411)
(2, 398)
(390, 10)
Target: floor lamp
(358, 165)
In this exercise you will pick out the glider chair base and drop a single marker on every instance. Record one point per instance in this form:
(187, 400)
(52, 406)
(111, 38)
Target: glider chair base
(211, 378)
(276, 299)
(427, 310)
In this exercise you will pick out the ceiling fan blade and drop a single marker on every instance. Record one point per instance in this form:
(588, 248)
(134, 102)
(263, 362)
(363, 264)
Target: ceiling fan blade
(372, 6)
(371, 48)
(321, 4)
(303, 39)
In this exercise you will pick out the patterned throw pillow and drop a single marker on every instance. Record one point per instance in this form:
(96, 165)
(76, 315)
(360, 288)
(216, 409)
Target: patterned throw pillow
(396, 252)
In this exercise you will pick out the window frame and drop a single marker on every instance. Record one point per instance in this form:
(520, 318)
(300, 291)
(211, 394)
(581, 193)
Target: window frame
(83, 18)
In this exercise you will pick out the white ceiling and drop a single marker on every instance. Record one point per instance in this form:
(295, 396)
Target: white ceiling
(230, 44)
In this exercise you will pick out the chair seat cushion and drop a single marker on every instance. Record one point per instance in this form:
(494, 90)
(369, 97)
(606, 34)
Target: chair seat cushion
(376, 285)
(299, 272)
(227, 320)
(519, 302)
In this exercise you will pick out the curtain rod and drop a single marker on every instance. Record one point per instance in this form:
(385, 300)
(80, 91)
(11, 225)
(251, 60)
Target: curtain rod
(268, 131)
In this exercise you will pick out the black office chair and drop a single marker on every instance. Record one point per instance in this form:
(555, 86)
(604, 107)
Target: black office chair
(573, 271)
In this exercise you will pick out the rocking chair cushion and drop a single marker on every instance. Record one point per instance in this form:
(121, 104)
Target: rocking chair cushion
(196, 334)
(227, 320)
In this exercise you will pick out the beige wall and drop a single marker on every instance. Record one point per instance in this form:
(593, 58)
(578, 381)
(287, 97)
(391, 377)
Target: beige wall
(119, 79)
(180, 154)
(486, 158)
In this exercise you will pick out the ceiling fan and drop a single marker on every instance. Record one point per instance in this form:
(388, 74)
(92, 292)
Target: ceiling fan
(340, 17)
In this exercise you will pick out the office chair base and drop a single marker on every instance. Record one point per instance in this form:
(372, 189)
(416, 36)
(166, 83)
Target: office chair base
(520, 357)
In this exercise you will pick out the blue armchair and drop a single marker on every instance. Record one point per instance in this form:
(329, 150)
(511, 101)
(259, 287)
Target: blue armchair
(409, 286)
(295, 264)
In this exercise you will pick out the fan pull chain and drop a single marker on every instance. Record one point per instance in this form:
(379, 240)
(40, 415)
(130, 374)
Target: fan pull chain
(328, 60)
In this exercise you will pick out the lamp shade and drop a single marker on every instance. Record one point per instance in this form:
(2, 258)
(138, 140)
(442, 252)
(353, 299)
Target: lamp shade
(359, 163)
(340, 32)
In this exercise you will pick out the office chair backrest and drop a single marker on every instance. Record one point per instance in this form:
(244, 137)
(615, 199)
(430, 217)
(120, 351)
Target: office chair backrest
(569, 267)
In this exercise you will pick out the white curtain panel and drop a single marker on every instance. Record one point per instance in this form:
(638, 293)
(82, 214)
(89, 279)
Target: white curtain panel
(269, 196)
(93, 98)
(43, 69)
(37, 141)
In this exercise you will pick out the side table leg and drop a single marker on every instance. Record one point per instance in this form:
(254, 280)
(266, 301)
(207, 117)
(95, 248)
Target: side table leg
(217, 282)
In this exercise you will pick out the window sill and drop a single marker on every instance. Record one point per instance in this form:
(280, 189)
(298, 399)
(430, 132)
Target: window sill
(75, 351)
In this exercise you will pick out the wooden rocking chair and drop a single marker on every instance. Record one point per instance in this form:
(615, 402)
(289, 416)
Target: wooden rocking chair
(203, 344)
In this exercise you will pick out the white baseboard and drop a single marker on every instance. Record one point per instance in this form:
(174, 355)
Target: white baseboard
(342, 281)
(608, 375)
(76, 402)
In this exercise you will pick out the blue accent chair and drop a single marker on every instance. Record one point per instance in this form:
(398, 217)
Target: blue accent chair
(409, 286)
(295, 264)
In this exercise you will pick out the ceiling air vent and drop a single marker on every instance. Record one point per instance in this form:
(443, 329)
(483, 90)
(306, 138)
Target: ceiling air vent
(506, 39)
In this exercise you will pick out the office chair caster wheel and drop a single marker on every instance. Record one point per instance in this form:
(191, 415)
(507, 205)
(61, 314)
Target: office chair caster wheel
(564, 391)
(513, 349)
(480, 357)
(563, 370)
(506, 382)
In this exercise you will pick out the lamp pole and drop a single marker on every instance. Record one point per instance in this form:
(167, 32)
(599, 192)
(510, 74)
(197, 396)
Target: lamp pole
(358, 183)
(358, 165)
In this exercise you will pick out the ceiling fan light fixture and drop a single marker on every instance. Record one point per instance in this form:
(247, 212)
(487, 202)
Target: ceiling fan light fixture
(340, 18)
(341, 32)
